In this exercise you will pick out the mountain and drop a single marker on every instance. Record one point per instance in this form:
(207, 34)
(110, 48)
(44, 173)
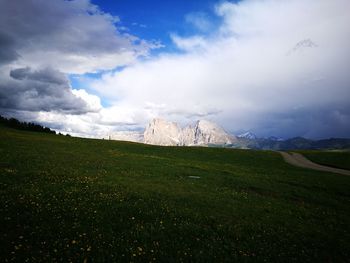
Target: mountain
(274, 138)
(297, 143)
(162, 132)
(204, 133)
(188, 135)
(247, 135)
(207, 133)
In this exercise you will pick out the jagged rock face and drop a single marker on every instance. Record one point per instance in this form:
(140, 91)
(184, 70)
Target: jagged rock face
(161, 132)
(188, 136)
(206, 132)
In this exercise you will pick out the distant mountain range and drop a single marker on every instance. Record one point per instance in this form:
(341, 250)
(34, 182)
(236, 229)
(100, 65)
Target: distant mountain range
(252, 136)
(205, 133)
(247, 135)
(297, 143)
(165, 133)
(162, 132)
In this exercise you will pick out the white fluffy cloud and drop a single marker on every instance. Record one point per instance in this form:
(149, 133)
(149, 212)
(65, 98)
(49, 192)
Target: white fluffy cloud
(41, 42)
(274, 67)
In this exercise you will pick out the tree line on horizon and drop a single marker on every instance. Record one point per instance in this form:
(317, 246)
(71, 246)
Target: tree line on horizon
(28, 126)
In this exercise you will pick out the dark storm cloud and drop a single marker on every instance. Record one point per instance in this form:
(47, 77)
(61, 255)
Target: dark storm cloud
(47, 75)
(319, 122)
(65, 26)
(42, 90)
(42, 41)
(72, 36)
(7, 49)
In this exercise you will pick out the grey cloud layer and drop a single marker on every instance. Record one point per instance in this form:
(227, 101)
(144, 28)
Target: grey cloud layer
(35, 31)
(251, 73)
(260, 71)
(43, 41)
(7, 50)
(41, 90)
(46, 75)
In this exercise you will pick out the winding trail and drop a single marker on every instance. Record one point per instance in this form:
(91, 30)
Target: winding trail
(299, 160)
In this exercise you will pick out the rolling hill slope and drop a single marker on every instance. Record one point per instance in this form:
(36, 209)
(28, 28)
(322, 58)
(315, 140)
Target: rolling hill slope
(65, 198)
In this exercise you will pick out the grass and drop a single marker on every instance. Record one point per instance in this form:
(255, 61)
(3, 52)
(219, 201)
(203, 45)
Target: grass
(333, 158)
(70, 199)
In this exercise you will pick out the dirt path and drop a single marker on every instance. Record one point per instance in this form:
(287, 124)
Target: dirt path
(299, 160)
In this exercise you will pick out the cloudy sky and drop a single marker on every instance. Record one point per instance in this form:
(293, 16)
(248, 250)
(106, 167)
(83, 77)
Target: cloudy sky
(90, 67)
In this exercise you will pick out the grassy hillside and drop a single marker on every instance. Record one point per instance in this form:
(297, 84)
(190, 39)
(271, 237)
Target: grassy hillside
(69, 199)
(338, 159)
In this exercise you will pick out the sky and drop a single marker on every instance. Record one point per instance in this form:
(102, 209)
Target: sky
(92, 67)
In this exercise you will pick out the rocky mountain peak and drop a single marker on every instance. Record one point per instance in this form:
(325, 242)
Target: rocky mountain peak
(162, 132)
(207, 132)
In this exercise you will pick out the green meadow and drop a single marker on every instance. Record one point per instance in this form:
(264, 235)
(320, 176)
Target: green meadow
(334, 158)
(66, 199)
